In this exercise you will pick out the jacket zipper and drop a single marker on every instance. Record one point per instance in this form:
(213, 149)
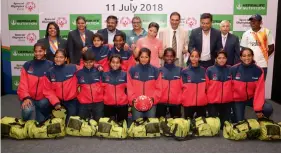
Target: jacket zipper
(222, 91)
(169, 92)
(91, 94)
(247, 90)
(196, 92)
(36, 88)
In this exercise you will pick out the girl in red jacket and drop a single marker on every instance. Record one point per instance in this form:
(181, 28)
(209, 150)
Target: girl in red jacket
(219, 88)
(144, 79)
(194, 98)
(90, 95)
(30, 89)
(60, 85)
(114, 86)
(248, 87)
(172, 86)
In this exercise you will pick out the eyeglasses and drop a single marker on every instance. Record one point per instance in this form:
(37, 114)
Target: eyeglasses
(136, 22)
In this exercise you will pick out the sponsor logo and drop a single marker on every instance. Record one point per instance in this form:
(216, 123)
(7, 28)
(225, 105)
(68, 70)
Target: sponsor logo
(136, 76)
(215, 77)
(191, 22)
(31, 37)
(30, 6)
(30, 69)
(18, 66)
(18, 6)
(238, 76)
(23, 22)
(255, 78)
(125, 21)
(121, 80)
(93, 21)
(61, 21)
(249, 7)
(16, 83)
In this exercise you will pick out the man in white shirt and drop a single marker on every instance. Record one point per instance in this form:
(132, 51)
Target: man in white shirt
(260, 40)
(230, 43)
(206, 40)
(176, 38)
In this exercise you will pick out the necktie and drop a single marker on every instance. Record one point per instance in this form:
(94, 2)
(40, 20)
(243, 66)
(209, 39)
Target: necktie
(174, 42)
(224, 41)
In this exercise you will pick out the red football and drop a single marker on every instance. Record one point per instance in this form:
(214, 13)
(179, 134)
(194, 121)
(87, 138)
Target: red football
(143, 103)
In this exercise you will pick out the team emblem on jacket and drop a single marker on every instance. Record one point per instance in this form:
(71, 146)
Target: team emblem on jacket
(229, 76)
(238, 76)
(188, 79)
(53, 78)
(215, 77)
(30, 69)
(107, 78)
(136, 76)
(82, 80)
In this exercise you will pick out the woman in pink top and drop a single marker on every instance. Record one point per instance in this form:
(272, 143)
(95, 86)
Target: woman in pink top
(152, 43)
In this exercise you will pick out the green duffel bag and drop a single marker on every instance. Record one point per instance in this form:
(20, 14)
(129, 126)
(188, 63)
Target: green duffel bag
(52, 128)
(13, 127)
(206, 126)
(176, 127)
(145, 127)
(244, 129)
(109, 128)
(269, 129)
(79, 127)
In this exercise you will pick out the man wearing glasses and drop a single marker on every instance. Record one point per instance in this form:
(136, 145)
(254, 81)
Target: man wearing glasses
(176, 37)
(137, 33)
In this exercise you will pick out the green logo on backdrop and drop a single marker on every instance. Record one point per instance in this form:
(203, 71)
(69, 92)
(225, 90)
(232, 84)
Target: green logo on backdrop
(63, 34)
(93, 21)
(239, 34)
(21, 53)
(23, 22)
(218, 18)
(161, 19)
(249, 7)
(15, 82)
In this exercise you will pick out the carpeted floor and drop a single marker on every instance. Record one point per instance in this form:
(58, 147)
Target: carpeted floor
(10, 107)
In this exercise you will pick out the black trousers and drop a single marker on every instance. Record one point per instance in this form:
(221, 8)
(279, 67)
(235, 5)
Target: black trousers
(118, 112)
(223, 111)
(199, 110)
(163, 109)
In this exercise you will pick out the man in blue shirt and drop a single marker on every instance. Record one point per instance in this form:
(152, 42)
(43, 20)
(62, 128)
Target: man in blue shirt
(137, 33)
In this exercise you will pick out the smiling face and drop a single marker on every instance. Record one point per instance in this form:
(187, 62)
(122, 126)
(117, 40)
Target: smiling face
(152, 32)
(247, 57)
(81, 24)
(144, 58)
(39, 53)
(115, 63)
(111, 24)
(89, 64)
(60, 59)
(206, 24)
(118, 42)
(221, 59)
(136, 24)
(52, 31)
(169, 57)
(97, 42)
(175, 21)
(194, 58)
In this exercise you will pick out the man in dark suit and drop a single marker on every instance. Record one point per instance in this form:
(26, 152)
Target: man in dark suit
(206, 40)
(109, 32)
(230, 43)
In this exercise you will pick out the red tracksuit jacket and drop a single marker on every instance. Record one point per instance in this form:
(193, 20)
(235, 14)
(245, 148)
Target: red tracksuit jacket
(194, 87)
(89, 81)
(128, 59)
(144, 80)
(114, 86)
(60, 83)
(101, 57)
(31, 79)
(171, 84)
(248, 83)
(219, 84)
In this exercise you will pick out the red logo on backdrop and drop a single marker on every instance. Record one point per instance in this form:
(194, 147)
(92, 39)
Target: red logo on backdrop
(125, 21)
(30, 6)
(191, 21)
(31, 37)
(61, 21)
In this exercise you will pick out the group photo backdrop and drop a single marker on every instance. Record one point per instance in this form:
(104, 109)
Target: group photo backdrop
(25, 21)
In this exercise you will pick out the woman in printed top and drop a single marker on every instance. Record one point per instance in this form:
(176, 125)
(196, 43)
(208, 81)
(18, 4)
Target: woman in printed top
(144, 79)
(114, 86)
(30, 89)
(52, 40)
(194, 98)
(90, 96)
(79, 41)
(219, 88)
(171, 86)
(128, 59)
(248, 87)
(60, 85)
(100, 51)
